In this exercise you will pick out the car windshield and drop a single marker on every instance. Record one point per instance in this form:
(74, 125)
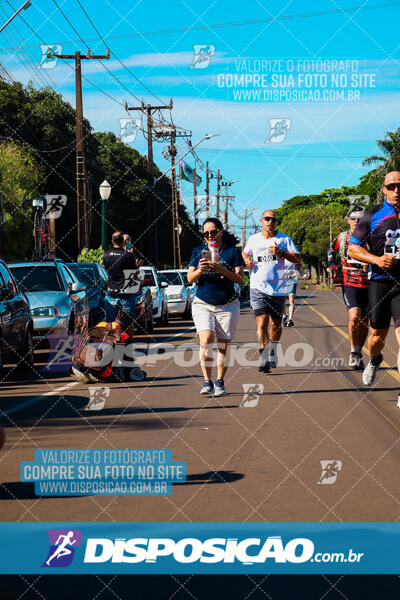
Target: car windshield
(171, 278)
(86, 274)
(148, 275)
(38, 278)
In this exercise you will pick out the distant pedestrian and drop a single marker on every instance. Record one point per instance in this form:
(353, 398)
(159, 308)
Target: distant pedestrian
(216, 307)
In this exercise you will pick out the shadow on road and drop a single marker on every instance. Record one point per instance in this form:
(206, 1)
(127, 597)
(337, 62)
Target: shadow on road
(19, 490)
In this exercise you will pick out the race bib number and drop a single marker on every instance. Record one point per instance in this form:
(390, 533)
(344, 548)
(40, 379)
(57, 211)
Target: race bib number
(264, 256)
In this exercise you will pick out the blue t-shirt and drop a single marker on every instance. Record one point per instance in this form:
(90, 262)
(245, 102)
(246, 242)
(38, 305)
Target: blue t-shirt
(212, 287)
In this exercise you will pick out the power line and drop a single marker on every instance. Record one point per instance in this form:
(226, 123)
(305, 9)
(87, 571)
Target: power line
(66, 63)
(235, 23)
(72, 27)
(120, 61)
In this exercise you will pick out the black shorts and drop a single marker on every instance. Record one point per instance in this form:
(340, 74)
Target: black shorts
(355, 297)
(384, 302)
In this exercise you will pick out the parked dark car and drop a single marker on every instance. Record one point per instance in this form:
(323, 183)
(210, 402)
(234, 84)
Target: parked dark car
(94, 277)
(144, 309)
(16, 326)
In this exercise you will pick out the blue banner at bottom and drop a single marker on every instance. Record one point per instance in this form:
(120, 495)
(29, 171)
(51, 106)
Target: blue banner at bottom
(196, 548)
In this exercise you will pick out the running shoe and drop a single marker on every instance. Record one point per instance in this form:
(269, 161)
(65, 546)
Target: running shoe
(285, 320)
(360, 363)
(290, 323)
(219, 388)
(264, 367)
(208, 387)
(370, 371)
(353, 360)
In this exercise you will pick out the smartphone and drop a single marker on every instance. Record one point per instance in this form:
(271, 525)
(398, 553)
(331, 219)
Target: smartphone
(206, 254)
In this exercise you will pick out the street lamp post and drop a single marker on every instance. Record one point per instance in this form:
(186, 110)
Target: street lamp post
(105, 191)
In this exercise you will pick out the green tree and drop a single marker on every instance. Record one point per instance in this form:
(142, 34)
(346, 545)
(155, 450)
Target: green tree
(20, 176)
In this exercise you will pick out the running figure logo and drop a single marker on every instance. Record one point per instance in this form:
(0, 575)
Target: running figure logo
(62, 547)
(132, 283)
(251, 394)
(49, 63)
(128, 129)
(98, 397)
(278, 129)
(60, 352)
(330, 470)
(54, 206)
(202, 56)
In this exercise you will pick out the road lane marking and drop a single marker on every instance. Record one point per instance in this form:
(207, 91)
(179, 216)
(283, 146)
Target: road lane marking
(18, 407)
(391, 371)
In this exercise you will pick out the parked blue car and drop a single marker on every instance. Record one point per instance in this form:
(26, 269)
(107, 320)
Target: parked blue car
(94, 277)
(57, 299)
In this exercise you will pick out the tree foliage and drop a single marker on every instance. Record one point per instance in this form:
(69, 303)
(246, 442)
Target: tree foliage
(20, 176)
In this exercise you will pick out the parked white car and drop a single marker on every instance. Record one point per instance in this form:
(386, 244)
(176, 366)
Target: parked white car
(178, 296)
(150, 278)
(190, 287)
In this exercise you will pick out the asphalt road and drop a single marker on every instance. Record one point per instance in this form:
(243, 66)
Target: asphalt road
(246, 460)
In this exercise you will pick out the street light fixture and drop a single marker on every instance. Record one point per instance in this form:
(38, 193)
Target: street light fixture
(25, 5)
(105, 191)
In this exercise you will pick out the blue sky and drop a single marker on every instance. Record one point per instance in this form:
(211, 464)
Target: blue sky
(327, 140)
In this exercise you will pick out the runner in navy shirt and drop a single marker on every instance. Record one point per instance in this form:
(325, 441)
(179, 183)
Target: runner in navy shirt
(216, 307)
(380, 229)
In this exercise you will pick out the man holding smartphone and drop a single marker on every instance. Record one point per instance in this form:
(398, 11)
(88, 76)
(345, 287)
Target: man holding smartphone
(380, 229)
(265, 254)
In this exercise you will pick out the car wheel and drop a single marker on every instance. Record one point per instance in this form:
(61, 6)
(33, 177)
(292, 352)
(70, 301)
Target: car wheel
(165, 318)
(71, 325)
(27, 353)
(150, 324)
(188, 313)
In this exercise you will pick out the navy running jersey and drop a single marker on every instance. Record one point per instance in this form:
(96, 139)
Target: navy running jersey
(380, 229)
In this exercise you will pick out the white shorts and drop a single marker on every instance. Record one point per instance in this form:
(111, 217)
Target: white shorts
(222, 319)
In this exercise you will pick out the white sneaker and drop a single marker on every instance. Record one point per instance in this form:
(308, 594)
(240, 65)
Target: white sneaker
(369, 373)
(219, 388)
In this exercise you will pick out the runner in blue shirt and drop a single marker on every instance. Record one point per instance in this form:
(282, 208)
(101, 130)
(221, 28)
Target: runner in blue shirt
(216, 307)
(380, 228)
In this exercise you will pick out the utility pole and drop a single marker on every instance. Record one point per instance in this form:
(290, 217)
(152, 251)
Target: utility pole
(175, 215)
(207, 191)
(81, 188)
(244, 229)
(196, 216)
(151, 211)
(218, 190)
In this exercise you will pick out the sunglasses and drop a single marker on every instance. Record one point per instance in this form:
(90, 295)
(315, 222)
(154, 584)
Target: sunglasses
(274, 219)
(392, 186)
(354, 218)
(213, 232)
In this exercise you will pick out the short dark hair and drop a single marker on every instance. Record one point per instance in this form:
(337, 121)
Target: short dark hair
(117, 238)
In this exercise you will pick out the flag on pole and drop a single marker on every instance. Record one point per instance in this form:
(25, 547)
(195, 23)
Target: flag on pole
(187, 173)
